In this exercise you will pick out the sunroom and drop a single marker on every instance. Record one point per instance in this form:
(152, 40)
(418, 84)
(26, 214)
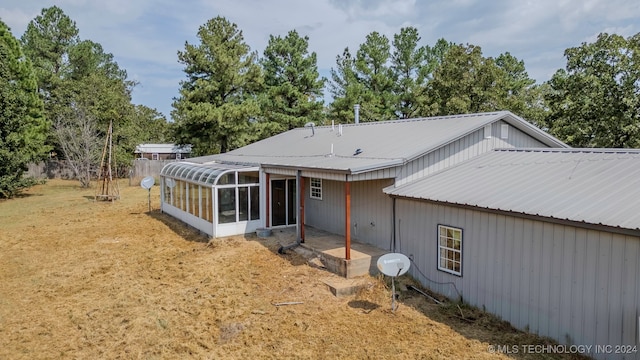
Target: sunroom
(217, 199)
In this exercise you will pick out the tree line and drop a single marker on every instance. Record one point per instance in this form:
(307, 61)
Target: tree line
(59, 92)
(237, 97)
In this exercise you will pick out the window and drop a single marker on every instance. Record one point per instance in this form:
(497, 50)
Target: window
(254, 192)
(226, 205)
(155, 156)
(178, 156)
(487, 131)
(450, 249)
(316, 188)
(504, 131)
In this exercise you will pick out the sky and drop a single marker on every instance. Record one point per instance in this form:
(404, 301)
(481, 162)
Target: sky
(145, 35)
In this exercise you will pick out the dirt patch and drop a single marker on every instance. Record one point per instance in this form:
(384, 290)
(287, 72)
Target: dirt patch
(85, 279)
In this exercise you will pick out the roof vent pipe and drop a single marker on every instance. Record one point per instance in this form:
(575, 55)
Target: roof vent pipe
(356, 109)
(312, 126)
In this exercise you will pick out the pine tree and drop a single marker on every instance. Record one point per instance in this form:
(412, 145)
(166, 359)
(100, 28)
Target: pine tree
(365, 79)
(23, 127)
(293, 87)
(217, 107)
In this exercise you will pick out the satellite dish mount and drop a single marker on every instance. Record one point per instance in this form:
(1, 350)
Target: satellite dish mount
(393, 265)
(147, 183)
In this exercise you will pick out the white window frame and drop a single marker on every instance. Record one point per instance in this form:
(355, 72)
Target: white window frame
(178, 156)
(487, 131)
(504, 131)
(155, 156)
(316, 188)
(448, 249)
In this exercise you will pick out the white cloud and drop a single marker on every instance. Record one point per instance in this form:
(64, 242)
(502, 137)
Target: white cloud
(146, 35)
(17, 18)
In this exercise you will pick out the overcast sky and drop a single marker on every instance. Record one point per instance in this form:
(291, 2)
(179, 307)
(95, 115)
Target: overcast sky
(144, 35)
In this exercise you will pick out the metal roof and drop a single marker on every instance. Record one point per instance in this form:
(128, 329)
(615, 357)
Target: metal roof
(162, 149)
(596, 186)
(382, 144)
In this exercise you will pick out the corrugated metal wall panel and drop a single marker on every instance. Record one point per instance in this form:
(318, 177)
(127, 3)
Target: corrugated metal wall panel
(326, 214)
(323, 175)
(603, 274)
(580, 266)
(576, 285)
(368, 205)
(527, 274)
(280, 171)
(388, 173)
(630, 289)
(566, 273)
(616, 288)
(592, 243)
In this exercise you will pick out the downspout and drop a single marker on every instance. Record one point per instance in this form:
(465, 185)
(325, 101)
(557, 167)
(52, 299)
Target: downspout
(393, 226)
(298, 228)
(347, 219)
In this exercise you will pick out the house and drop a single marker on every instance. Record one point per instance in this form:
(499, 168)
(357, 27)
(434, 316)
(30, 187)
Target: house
(547, 239)
(162, 151)
(332, 177)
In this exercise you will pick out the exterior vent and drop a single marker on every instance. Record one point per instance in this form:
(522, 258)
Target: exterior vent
(487, 131)
(504, 131)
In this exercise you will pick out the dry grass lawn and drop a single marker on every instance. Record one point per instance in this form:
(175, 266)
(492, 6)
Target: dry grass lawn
(87, 280)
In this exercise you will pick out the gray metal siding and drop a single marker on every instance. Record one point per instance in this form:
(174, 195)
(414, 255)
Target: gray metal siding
(280, 171)
(323, 175)
(575, 285)
(371, 213)
(368, 205)
(388, 173)
(326, 214)
(463, 149)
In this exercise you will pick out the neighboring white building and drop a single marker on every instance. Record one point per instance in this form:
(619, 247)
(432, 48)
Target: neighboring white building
(162, 151)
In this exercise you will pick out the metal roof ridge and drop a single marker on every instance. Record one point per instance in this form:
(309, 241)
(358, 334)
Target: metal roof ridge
(317, 156)
(572, 150)
(425, 118)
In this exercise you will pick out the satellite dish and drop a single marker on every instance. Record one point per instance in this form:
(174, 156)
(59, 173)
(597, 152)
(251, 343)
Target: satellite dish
(393, 264)
(170, 182)
(147, 182)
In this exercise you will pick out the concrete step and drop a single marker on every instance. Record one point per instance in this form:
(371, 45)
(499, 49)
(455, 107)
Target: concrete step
(340, 286)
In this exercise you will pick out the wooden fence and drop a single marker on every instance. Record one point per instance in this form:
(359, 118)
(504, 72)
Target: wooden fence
(60, 169)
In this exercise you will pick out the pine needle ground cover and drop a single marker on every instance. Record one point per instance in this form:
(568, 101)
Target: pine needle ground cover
(84, 279)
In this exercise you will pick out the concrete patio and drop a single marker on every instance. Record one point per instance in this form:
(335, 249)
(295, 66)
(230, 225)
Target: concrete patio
(330, 250)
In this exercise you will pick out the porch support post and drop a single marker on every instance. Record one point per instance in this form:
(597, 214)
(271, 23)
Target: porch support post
(298, 204)
(267, 187)
(347, 220)
(301, 217)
